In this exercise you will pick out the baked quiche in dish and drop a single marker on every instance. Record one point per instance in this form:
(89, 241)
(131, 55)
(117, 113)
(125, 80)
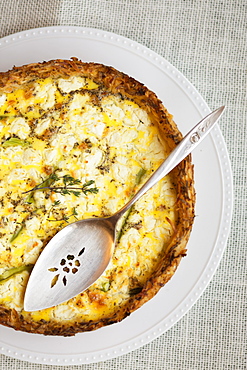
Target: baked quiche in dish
(77, 141)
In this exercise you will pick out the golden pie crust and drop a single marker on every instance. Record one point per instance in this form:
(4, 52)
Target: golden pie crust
(72, 90)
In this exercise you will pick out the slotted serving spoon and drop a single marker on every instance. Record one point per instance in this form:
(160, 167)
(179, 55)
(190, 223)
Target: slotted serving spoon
(79, 254)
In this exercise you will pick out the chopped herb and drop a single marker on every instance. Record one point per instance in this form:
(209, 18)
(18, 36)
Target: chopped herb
(30, 198)
(17, 232)
(8, 116)
(56, 203)
(126, 216)
(139, 176)
(13, 271)
(105, 286)
(74, 212)
(14, 141)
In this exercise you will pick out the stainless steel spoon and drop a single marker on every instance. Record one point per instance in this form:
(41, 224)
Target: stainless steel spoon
(79, 254)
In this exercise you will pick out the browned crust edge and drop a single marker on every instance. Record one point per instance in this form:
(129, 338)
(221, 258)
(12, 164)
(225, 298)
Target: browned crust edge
(117, 82)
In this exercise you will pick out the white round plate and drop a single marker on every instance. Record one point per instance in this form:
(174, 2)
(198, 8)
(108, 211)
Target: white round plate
(213, 182)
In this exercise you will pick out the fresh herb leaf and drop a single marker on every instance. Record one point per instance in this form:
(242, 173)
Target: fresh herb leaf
(126, 216)
(49, 181)
(66, 218)
(30, 198)
(17, 232)
(69, 180)
(61, 190)
(139, 177)
(56, 203)
(105, 286)
(13, 271)
(9, 116)
(14, 141)
(86, 187)
(88, 183)
(74, 212)
(76, 193)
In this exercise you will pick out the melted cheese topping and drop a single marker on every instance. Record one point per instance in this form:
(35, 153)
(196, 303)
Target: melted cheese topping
(68, 127)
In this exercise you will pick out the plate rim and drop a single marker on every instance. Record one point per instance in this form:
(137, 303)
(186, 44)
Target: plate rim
(227, 185)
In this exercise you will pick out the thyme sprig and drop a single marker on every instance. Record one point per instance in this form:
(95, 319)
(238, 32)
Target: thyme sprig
(67, 187)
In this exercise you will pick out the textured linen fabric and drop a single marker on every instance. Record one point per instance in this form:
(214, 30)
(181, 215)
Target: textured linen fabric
(206, 40)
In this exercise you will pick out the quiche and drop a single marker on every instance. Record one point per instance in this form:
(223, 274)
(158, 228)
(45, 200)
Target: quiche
(77, 141)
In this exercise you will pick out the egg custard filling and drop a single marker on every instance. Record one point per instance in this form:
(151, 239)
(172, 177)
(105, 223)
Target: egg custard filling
(77, 141)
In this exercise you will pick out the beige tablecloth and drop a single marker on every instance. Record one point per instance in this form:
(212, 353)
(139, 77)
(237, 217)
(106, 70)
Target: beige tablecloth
(206, 40)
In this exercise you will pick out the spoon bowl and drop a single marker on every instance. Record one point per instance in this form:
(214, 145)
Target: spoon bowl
(80, 253)
(88, 246)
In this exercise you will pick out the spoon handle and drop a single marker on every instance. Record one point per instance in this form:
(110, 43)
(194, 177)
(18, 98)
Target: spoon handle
(185, 147)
